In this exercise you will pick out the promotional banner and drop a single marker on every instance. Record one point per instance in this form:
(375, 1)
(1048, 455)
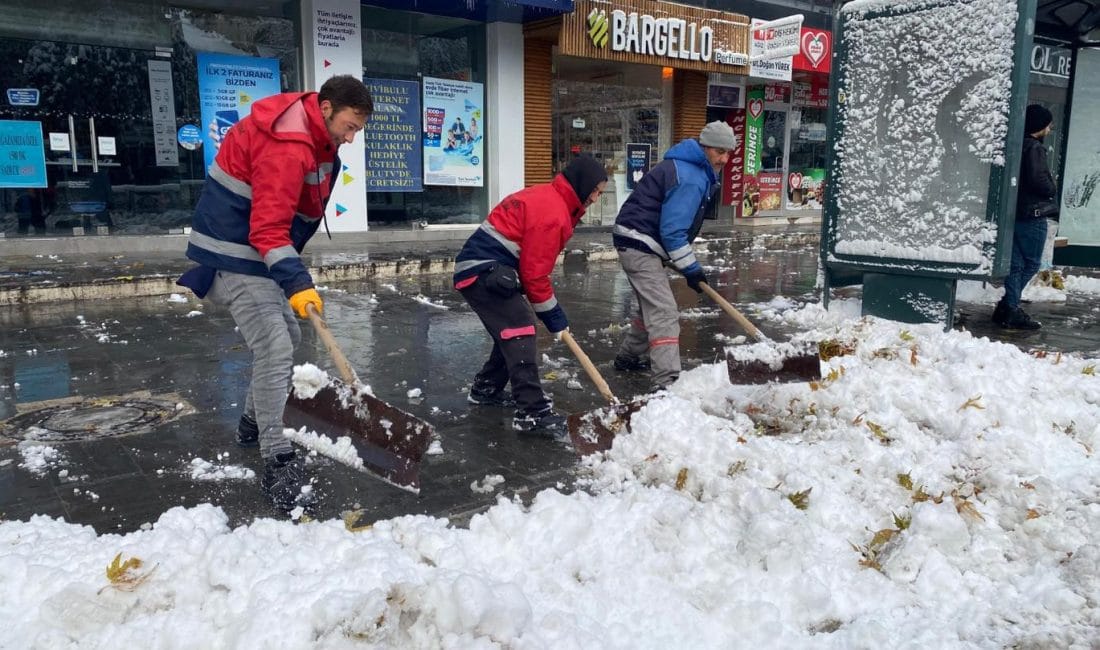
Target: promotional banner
(637, 162)
(733, 175)
(392, 137)
(806, 189)
(754, 131)
(453, 133)
(228, 85)
(22, 154)
(336, 48)
(771, 191)
(162, 104)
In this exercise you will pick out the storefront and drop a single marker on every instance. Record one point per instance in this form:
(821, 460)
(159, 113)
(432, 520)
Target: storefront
(110, 123)
(622, 81)
(779, 116)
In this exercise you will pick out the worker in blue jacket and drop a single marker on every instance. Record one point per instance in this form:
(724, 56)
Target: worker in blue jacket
(655, 228)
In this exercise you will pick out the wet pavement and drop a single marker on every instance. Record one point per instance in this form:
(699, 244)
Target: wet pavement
(399, 333)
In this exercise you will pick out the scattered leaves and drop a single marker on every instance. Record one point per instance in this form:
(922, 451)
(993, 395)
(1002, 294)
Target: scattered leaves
(913, 356)
(973, 402)
(351, 521)
(1089, 370)
(902, 521)
(966, 508)
(550, 376)
(681, 478)
(1027, 486)
(124, 576)
(904, 335)
(1032, 513)
(834, 348)
(883, 536)
(801, 500)
(879, 432)
(905, 481)
(736, 468)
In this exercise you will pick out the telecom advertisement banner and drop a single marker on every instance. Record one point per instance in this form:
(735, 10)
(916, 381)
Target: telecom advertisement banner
(453, 136)
(392, 137)
(228, 86)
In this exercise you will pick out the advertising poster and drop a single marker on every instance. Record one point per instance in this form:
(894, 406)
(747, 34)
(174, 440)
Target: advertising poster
(771, 190)
(162, 104)
(392, 137)
(228, 85)
(806, 189)
(22, 154)
(453, 133)
(754, 131)
(637, 162)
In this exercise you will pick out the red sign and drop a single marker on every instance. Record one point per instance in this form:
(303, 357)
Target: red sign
(734, 172)
(778, 92)
(811, 94)
(815, 51)
(771, 191)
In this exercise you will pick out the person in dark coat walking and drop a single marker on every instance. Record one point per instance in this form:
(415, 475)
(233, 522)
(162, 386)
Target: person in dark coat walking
(511, 255)
(1035, 203)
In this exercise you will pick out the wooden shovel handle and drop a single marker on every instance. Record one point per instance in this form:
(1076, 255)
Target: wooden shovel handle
(589, 367)
(334, 351)
(732, 311)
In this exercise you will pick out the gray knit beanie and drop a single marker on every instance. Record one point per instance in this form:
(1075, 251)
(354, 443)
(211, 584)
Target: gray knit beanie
(717, 134)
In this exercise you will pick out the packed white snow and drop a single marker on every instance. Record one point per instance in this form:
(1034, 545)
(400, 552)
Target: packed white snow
(205, 470)
(39, 459)
(487, 484)
(933, 490)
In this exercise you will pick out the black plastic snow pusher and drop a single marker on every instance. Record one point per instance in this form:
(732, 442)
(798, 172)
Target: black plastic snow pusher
(389, 441)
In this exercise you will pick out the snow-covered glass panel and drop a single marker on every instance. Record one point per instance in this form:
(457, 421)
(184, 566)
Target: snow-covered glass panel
(1080, 219)
(922, 121)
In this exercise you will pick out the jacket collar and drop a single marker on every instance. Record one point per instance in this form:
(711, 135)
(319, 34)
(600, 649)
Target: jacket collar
(572, 202)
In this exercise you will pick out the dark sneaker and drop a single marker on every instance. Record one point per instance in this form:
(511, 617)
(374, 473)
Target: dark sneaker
(285, 482)
(248, 434)
(658, 387)
(546, 424)
(1000, 313)
(1017, 319)
(490, 398)
(627, 363)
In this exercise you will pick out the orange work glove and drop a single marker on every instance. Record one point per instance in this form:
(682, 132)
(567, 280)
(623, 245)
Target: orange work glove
(305, 297)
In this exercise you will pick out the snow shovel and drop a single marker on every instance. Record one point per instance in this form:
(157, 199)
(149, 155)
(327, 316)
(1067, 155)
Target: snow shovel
(389, 441)
(793, 368)
(594, 431)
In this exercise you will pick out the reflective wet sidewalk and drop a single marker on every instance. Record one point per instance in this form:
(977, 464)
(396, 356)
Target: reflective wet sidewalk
(399, 334)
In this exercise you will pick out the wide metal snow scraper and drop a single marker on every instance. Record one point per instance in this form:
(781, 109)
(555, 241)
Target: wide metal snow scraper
(595, 430)
(389, 441)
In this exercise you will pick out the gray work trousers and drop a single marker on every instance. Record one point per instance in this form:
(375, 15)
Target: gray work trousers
(271, 332)
(655, 328)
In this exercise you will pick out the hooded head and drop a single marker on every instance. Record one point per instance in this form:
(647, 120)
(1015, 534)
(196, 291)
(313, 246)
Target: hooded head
(1037, 119)
(584, 174)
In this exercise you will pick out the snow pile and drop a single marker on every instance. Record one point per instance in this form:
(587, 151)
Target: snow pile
(40, 459)
(341, 450)
(308, 379)
(204, 470)
(932, 490)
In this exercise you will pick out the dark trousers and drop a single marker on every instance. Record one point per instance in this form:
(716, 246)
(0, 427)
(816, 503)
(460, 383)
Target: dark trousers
(510, 321)
(1028, 239)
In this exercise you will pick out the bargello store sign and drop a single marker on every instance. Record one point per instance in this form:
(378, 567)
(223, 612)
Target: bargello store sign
(657, 33)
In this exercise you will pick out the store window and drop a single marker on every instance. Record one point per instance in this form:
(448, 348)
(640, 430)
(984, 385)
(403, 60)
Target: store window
(407, 48)
(110, 95)
(599, 108)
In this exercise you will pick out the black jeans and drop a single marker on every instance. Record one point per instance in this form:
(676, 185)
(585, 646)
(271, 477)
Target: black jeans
(497, 298)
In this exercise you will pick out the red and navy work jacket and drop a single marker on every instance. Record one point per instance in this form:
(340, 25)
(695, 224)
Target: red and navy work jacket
(264, 195)
(526, 231)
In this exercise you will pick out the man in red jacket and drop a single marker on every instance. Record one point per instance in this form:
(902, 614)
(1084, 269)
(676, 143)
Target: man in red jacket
(264, 197)
(513, 254)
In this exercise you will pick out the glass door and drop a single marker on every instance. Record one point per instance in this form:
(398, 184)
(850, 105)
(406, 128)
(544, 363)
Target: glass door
(773, 161)
(95, 106)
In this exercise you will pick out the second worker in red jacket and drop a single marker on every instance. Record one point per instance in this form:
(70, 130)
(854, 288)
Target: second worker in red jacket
(511, 255)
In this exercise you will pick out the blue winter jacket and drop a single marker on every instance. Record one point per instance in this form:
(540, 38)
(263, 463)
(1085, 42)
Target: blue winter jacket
(666, 209)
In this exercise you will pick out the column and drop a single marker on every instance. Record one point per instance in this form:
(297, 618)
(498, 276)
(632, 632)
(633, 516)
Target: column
(504, 110)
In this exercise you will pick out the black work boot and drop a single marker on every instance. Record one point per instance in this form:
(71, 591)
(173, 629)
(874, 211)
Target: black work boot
(285, 482)
(248, 434)
(1018, 319)
(486, 396)
(544, 424)
(628, 363)
(1000, 313)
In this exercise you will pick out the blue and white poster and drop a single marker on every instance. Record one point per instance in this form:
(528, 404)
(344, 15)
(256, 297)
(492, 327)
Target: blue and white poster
(228, 86)
(22, 154)
(454, 124)
(392, 137)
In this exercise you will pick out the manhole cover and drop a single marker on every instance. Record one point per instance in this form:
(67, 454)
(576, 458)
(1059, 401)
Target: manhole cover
(71, 419)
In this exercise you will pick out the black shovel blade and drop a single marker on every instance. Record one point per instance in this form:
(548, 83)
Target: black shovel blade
(595, 431)
(389, 441)
(793, 369)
